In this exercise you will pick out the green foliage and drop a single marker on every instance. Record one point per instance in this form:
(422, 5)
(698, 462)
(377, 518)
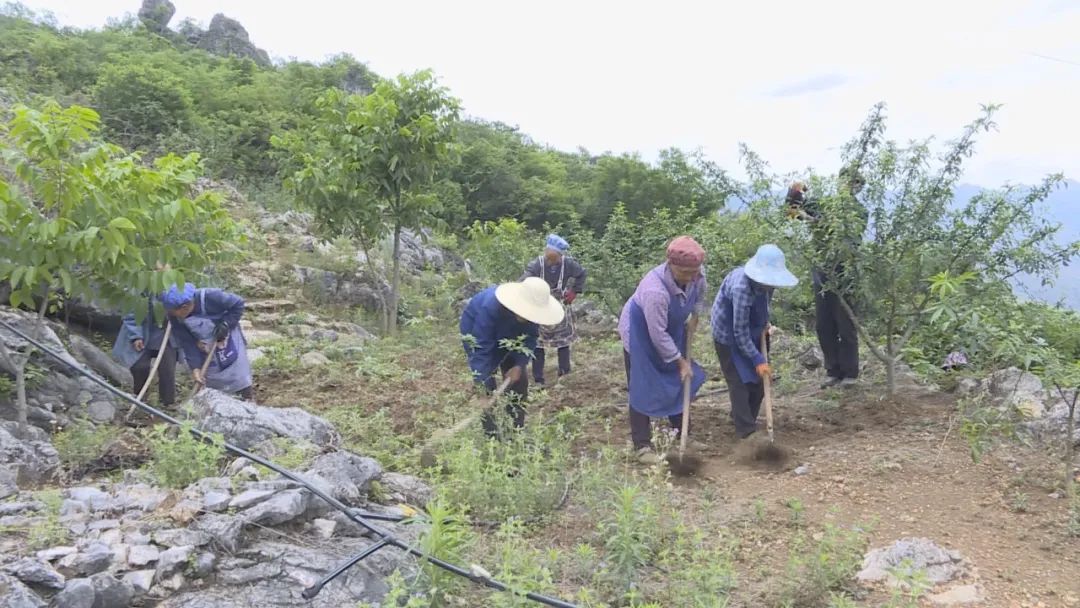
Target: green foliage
(816, 571)
(49, 532)
(983, 425)
(500, 250)
(523, 568)
(447, 538)
(702, 576)
(524, 475)
(911, 584)
(630, 535)
(141, 103)
(369, 165)
(367, 434)
(83, 443)
(180, 460)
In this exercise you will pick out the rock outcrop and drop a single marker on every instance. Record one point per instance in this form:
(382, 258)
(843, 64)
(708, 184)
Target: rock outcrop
(156, 14)
(226, 37)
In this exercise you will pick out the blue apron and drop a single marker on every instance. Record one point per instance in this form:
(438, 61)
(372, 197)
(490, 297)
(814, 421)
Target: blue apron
(655, 387)
(230, 370)
(759, 320)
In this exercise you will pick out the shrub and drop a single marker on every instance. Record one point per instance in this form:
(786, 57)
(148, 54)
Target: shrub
(83, 443)
(179, 461)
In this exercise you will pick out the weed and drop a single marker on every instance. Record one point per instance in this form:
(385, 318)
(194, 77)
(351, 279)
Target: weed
(815, 572)
(1072, 525)
(759, 510)
(83, 443)
(291, 453)
(447, 538)
(524, 475)
(179, 461)
(841, 600)
(399, 595)
(630, 533)
(584, 563)
(1019, 502)
(982, 425)
(520, 566)
(701, 576)
(49, 532)
(911, 584)
(797, 512)
(371, 435)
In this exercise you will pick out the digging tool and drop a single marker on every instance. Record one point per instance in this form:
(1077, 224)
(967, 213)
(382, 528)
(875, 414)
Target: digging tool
(768, 452)
(683, 464)
(429, 453)
(205, 366)
(153, 369)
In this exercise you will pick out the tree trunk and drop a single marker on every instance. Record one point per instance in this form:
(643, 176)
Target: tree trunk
(384, 323)
(21, 407)
(890, 376)
(395, 280)
(1070, 485)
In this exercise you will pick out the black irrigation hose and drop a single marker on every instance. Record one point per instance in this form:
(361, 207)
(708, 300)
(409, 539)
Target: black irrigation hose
(385, 538)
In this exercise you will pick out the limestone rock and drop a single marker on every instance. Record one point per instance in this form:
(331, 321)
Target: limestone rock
(36, 572)
(14, 594)
(348, 474)
(1018, 389)
(173, 561)
(27, 461)
(940, 565)
(963, 595)
(140, 580)
(111, 592)
(246, 424)
(282, 507)
(406, 488)
(224, 530)
(142, 555)
(248, 498)
(156, 14)
(78, 593)
(314, 359)
(226, 37)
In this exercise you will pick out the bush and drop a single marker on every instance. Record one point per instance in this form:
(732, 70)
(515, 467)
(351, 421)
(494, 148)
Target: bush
(815, 572)
(49, 532)
(179, 461)
(524, 476)
(83, 443)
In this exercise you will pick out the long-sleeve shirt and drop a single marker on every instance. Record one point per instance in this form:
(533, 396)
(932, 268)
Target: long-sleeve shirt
(488, 322)
(572, 272)
(731, 314)
(219, 306)
(653, 294)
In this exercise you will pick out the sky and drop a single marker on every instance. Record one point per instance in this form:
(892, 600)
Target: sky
(791, 79)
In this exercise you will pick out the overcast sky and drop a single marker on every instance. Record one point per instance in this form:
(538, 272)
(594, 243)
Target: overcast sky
(793, 79)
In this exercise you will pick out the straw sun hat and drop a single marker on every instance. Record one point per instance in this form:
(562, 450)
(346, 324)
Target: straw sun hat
(531, 299)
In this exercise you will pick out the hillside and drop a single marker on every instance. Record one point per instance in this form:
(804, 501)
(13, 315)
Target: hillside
(349, 218)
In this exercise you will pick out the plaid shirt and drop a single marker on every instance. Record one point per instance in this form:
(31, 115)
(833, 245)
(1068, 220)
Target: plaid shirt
(740, 292)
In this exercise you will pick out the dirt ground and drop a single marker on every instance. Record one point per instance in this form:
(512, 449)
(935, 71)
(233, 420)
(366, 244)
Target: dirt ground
(897, 465)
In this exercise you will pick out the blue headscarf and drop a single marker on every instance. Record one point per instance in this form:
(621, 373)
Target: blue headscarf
(557, 243)
(175, 297)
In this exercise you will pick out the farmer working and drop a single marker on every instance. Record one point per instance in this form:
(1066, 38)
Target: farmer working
(499, 328)
(566, 278)
(837, 226)
(740, 320)
(136, 346)
(206, 323)
(656, 325)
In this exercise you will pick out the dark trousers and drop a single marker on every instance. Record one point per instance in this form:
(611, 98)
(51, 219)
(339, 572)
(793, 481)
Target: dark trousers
(140, 372)
(640, 424)
(745, 397)
(836, 333)
(515, 396)
(538, 363)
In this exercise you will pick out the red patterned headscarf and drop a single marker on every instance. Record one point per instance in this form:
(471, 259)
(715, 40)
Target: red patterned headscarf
(685, 251)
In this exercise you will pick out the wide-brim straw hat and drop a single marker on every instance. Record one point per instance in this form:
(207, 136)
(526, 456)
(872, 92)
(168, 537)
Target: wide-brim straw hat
(768, 268)
(531, 299)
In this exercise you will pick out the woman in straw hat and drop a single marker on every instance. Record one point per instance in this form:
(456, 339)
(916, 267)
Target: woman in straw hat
(497, 317)
(740, 318)
(655, 331)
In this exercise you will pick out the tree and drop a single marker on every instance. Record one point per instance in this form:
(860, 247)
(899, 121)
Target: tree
(369, 165)
(142, 103)
(918, 240)
(85, 219)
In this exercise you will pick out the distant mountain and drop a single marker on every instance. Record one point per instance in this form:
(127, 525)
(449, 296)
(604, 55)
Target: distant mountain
(1063, 205)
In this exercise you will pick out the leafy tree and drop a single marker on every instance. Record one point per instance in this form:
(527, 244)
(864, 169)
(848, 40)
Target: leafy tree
(918, 241)
(370, 165)
(83, 218)
(141, 103)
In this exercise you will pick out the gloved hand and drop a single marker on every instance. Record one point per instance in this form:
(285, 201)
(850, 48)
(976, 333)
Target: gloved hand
(568, 296)
(221, 330)
(764, 370)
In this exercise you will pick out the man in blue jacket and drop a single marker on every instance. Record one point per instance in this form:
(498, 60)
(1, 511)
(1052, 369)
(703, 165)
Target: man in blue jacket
(499, 329)
(206, 323)
(137, 345)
